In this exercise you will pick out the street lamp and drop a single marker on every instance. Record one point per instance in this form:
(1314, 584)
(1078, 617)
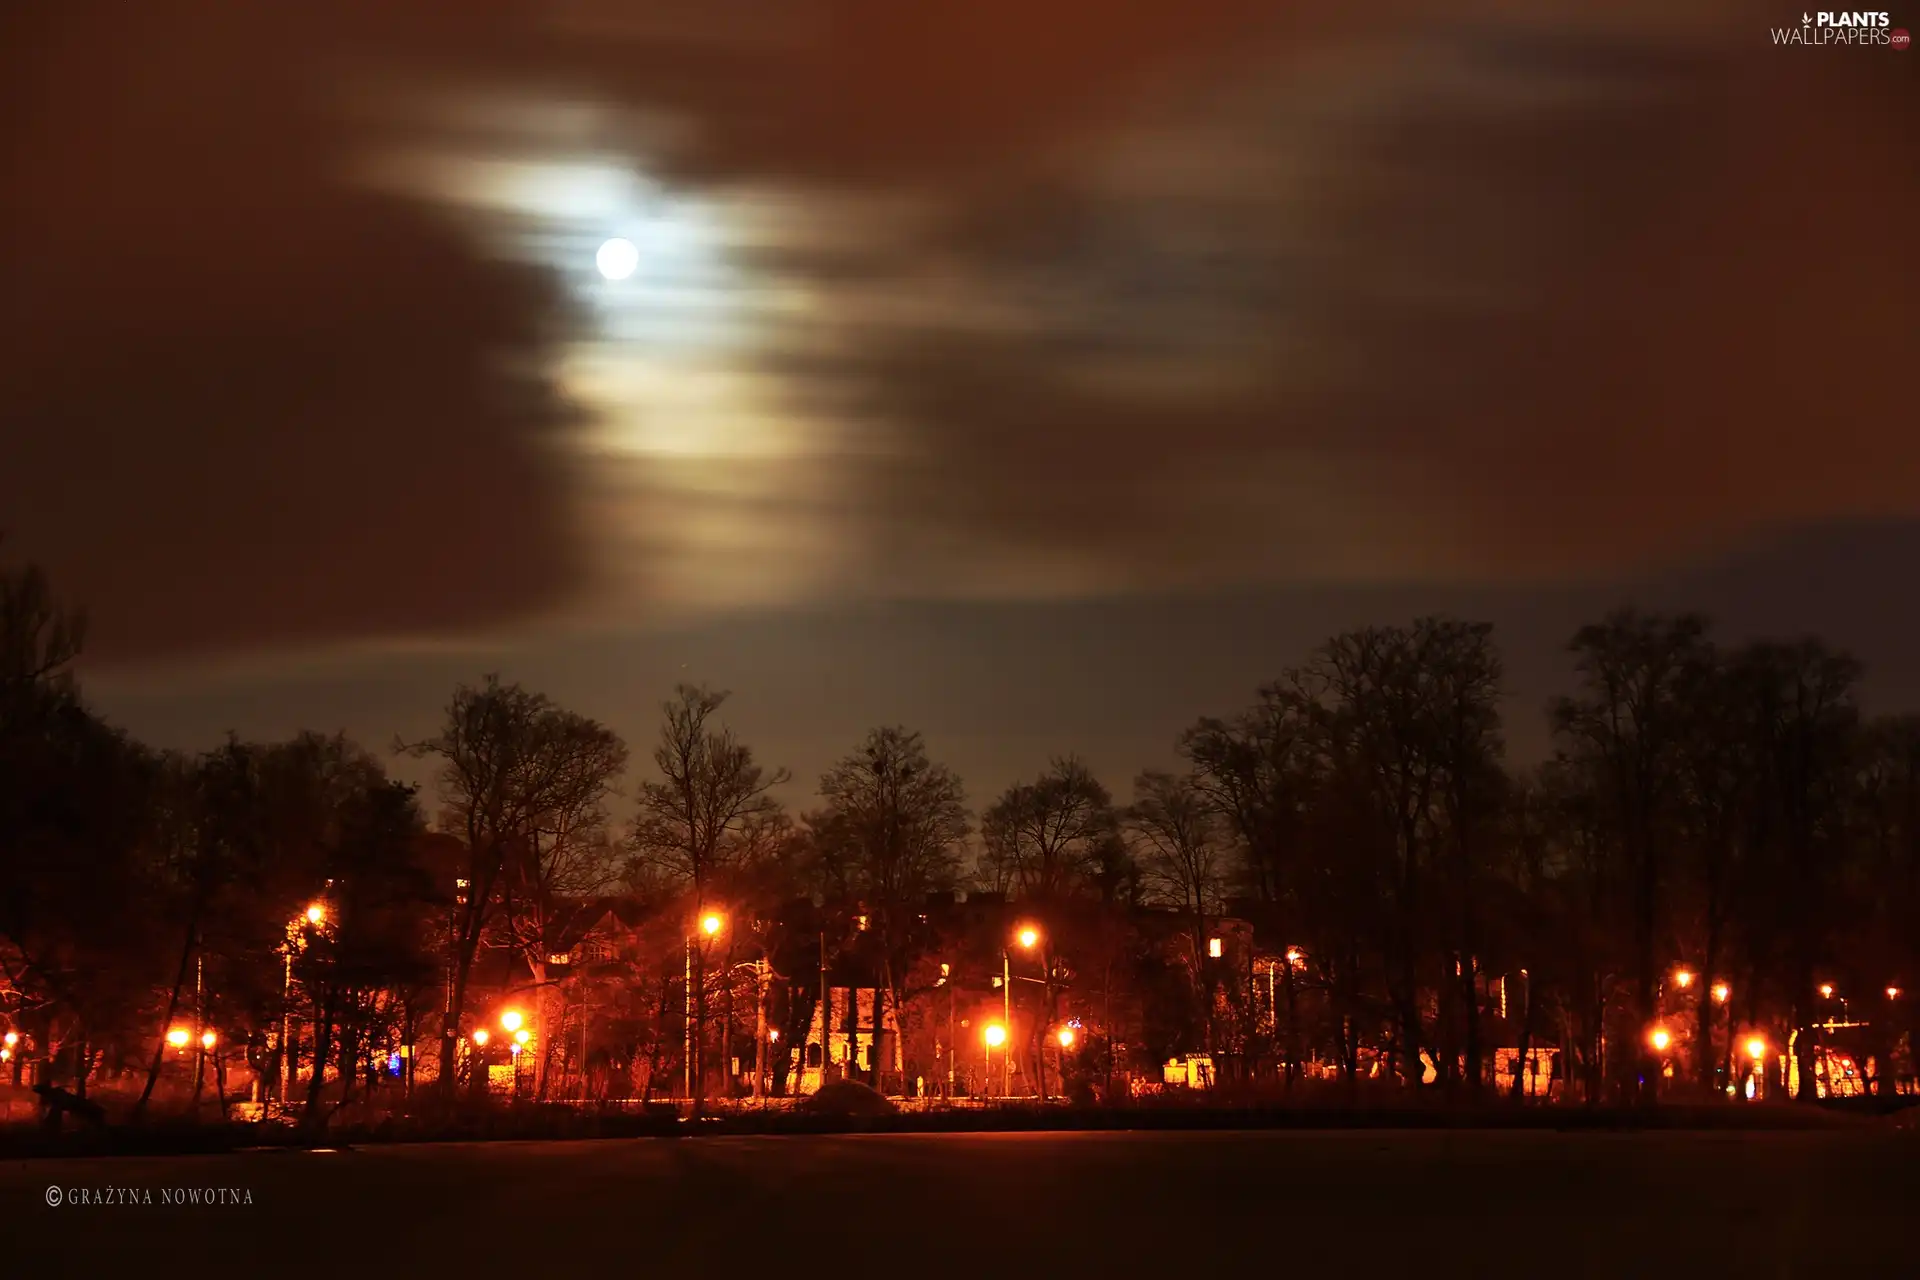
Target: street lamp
(481, 1037)
(1756, 1047)
(1066, 1037)
(208, 1040)
(1826, 991)
(1683, 978)
(1893, 993)
(317, 914)
(1029, 936)
(511, 1020)
(1720, 992)
(178, 1037)
(1659, 1038)
(711, 924)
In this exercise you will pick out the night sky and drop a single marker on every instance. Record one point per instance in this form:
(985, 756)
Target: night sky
(1040, 375)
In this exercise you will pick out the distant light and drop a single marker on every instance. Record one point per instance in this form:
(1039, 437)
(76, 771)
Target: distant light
(5, 1054)
(12, 1038)
(996, 1035)
(1683, 978)
(1756, 1048)
(1721, 991)
(1213, 948)
(1295, 955)
(711, 924)
(480, 1037)
(208, 1040)
(511, 1020)
(516, 1050)
(521, 1037)
(1750, 1089)
(1029, 936)
(1893, 993)
(1826, 991)
(1066, 1037)
(773, 1033)
(617, 259)
(863, 923)
(178, 1037)
(1660, 1039)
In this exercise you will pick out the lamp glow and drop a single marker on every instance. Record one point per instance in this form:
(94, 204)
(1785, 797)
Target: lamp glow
(1756, 1048)
(1683, 978)
(481, 1037)
(1660, 1039)
(178, 1037)
(522, 1036)
(996, 1035)
(1826, 991)
(1029, 936)
(1066, 1037)
(711, 925)
(208, 1040)
(1721, 991)
(511, 1020)
(316, 914)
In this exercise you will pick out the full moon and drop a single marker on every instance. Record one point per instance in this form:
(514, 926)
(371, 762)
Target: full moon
(617, 259)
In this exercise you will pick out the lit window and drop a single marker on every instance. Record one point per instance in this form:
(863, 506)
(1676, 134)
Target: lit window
(1213, 947)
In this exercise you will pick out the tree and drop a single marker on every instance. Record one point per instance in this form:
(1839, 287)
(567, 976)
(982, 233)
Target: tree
(707, 818)
(1176, 830)
(1047, 838)
(511, 760)
(1627, 729)
(888, 835)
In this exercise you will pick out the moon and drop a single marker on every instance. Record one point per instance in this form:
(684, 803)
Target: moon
(617, 259)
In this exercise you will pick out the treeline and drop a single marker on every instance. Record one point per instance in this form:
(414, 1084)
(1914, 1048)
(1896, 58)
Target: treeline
(1726, 810)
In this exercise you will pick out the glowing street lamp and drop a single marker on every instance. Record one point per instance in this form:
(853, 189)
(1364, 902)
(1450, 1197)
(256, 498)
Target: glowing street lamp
(995, 1034)
(178, 1037)
(1756, 1047)
(1893, 993)
(1683, 978)
(1066, 1037)
(1721, 992)
(208, 1040)
(520, 1038)
(511, 1020)
(1659, 1038)
(711, 924)
(1029, 936)
(12, 1038)
(317, 914)
(1826, 991)
(481, 1037)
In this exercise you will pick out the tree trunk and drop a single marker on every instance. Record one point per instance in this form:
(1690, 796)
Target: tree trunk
(450, 1033)
(173, 1006)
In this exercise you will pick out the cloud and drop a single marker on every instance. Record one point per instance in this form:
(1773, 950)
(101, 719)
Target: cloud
(246, 403)
(1012, 299)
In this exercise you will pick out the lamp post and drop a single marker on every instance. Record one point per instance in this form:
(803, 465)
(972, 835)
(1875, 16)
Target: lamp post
(1028, 937)
(996, 1035)
(710, 925)
(315, 916)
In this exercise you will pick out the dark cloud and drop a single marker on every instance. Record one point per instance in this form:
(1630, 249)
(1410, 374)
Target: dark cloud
(243, 402)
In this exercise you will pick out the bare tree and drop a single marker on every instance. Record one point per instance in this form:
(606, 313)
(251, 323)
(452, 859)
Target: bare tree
(708, 816)
(1048, 836)
(890, 834)
(1628, 728)
(511, 761)
(1177, 833)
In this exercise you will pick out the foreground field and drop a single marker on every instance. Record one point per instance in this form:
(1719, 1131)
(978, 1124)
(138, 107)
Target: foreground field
(1113, 1204)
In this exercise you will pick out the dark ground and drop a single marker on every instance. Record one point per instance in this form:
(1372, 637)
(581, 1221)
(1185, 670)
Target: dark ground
(1351, 1204)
